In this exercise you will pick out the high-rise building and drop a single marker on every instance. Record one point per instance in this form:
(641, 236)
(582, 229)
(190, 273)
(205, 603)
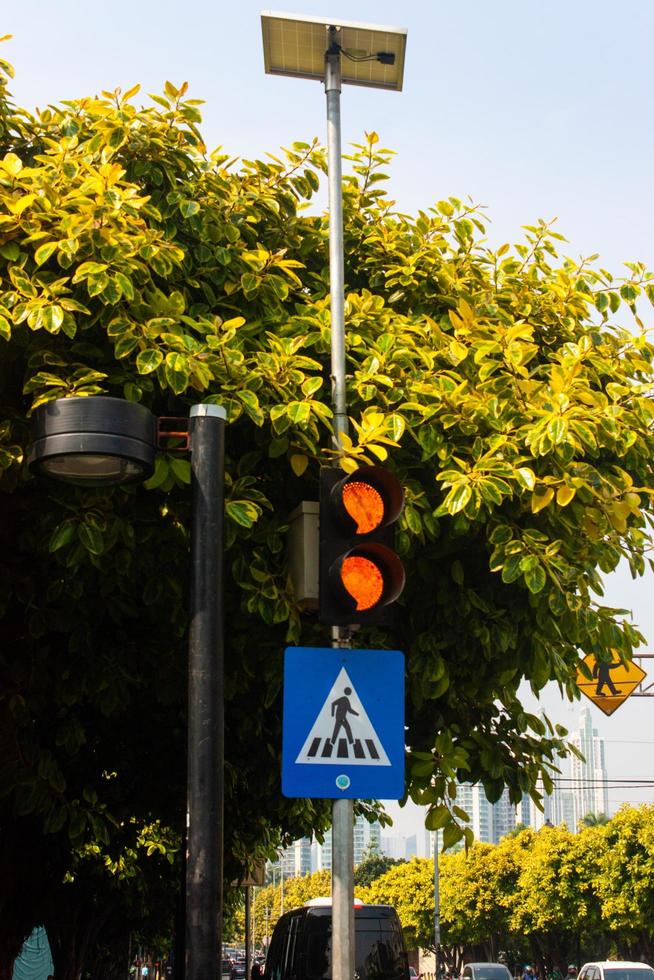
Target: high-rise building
(504, 817)
(589, 778)
(393, 846)
(296, 859)
(366, 835)
(581, 792)
(489, 822)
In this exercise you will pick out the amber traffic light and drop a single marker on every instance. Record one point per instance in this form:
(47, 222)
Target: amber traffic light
(360, 573)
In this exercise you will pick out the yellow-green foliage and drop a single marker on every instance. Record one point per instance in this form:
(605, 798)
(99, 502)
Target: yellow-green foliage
(548, 886)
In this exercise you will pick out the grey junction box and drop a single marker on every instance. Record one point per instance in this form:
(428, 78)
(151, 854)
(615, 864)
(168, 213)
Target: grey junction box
(303, 552)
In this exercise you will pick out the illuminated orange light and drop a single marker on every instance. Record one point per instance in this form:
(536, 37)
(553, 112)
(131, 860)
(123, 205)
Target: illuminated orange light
(363, 580)
(365, 506)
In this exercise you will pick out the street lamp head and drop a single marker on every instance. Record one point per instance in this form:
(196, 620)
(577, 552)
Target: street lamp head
(295, 45)
(93, 441)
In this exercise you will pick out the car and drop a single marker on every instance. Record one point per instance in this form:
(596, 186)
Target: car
(487, 971)
(238, 970)
(300, 948)
(616, 970)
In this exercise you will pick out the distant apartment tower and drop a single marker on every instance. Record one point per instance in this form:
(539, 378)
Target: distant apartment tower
(581, 792)
(504, 817)
(589, 778)
(365, 835)
(394, 846)
(489, 821)
(296, 859)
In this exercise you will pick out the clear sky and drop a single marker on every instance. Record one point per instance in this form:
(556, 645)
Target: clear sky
(536, 109)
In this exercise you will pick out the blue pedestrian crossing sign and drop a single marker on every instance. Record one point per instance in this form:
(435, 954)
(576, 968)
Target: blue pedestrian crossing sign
(343, 732)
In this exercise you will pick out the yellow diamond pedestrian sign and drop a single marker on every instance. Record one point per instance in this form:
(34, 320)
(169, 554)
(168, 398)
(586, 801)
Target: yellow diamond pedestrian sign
(609, 684)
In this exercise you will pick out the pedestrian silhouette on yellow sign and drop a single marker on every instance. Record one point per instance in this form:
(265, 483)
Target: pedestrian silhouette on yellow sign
(598, 681)
(601, 671)
(341, 708)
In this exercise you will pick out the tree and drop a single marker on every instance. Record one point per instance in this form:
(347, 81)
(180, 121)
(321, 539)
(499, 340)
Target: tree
(495, 383)
(624, 880)
(373, 866)
(409, 887)
(297, 891)
(554, 902)
(594, 819)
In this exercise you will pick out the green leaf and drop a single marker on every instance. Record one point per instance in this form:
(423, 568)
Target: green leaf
(126, 286)
(62, 535)
(162, 467)
(10, 251)
(457, 498)
(177, 372)
(535, 578)
(541, 498)
(91, 538)
(149, 360)
(242, 512)
(87, 269)
(451, 835)
(299, 463)
(52, 318)
(182, 469)
(526, 477)
(44, 252)
(298, 412)
(189, 208)
(437, 816)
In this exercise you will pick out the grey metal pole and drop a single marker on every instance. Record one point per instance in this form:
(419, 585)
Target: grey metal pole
(342, 890)
(248, 932)
(204, 871)
(342, 810)
(336, 260)
(437, 910)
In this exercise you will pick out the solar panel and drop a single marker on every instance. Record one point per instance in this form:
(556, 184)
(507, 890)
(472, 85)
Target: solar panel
(296, 46)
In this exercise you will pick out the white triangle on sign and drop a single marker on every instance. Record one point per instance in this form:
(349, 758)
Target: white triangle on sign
(342, 734)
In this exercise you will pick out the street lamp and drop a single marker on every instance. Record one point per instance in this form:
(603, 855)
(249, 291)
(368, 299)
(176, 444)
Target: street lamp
(93, 441)
(101, 441)
(336, 52)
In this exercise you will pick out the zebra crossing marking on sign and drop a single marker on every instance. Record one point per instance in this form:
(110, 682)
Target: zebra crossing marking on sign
(343, 731)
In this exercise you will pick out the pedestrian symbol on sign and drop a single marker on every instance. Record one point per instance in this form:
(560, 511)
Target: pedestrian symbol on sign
(343, 732)
(340, 709)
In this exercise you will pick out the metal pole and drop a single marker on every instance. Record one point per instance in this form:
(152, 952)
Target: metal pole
(248, 932)
(342, 890)
(437, 911)
(204, 870)
(342, 810)
(336, 261)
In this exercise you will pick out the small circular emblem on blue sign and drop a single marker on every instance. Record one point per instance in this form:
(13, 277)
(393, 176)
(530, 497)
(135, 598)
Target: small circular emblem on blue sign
(343, 781)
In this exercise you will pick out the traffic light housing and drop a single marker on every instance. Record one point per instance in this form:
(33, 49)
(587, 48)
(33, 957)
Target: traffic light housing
(360, 574)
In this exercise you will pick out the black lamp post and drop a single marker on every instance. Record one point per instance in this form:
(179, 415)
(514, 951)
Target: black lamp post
(100, 441)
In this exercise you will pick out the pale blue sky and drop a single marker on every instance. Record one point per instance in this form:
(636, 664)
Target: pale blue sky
(535, 109)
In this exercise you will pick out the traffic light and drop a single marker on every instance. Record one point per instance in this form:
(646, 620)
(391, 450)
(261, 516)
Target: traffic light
(360, 573)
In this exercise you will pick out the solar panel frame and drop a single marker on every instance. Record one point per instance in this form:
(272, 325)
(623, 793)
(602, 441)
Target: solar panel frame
(295, 46)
